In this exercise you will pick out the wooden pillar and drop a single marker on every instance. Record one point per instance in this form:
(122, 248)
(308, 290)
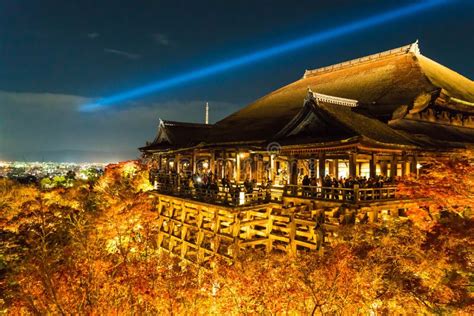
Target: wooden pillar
(322, 166)
(237, 167)
(292, 235)
(312, 167)
(260, 169)
(158, 162)
(268, 229)
(372, 165)
(413, 163)
(232, 168)
(235, 249)
(336, 168)
(404, 164)
(293, 170)
(177, 162)
(353, 164)
(224, 164)
(393, 166)
(330, 167)
(212, 163)
(167, 165)
(272, 168)
(383, 168)
(250, 168)
(253, 168)
(194, 163)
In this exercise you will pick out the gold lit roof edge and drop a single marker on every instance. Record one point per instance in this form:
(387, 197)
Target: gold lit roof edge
(410, 48)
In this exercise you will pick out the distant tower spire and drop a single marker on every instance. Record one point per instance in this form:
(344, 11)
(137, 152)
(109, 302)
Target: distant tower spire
(207, 113)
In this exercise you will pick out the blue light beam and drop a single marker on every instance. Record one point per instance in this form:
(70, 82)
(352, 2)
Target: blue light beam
(312, 39)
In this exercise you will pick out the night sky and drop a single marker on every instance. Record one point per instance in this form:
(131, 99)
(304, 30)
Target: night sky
(58, 55)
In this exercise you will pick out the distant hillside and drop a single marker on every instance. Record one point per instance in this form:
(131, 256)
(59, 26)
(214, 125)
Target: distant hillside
(77, 156)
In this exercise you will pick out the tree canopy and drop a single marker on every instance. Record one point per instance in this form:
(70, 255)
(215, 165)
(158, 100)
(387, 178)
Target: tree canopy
(91, 249)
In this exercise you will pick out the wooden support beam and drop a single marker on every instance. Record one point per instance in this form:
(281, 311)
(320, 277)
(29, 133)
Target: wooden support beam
(237, 167)
(413, 163)
(212, 163)
(383, 168)
(293, 170)
(196, 231)
(177, 161)
(268, 230)
(194, 162)
(372, 165)
(160, 166)
(272, 168)
(393, 166)
(404, 164)
(292, 236)
(312, 167)
(352, 164)
(235, 248)
(322, 166)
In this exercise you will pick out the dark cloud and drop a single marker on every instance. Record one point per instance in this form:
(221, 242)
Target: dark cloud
(161, 39)
(40, 122)
(122, 53)
(93, 35)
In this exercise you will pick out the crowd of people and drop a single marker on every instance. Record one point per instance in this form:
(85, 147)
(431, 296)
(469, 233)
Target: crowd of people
(331, 188)
(363, 182)
(210, 185)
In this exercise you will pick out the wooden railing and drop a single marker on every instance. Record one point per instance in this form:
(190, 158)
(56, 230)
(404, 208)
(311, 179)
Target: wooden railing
(355, 194)
(233, 195)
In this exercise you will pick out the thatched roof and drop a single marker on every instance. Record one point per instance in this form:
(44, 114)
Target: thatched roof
(381, 83)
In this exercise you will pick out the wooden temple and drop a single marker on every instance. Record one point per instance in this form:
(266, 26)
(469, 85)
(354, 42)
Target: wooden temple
(332, 143)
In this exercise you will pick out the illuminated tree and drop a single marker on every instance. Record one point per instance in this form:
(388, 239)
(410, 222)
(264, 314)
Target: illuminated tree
(445, 185)
(92, 249)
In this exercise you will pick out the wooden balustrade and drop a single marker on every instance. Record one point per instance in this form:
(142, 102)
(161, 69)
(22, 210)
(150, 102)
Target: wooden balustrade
(355, 194)
(229, 195)
(235, 194)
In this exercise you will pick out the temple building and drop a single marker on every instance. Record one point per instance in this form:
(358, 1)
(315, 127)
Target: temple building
(376, 115)
(326, 149)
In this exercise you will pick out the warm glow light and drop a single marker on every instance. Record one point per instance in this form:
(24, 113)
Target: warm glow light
(241, 198)
(205, 165)
(418, 166)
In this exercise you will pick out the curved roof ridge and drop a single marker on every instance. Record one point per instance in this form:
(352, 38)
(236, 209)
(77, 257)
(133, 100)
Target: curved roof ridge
(177, 123)
(320, 97)
(410, 48)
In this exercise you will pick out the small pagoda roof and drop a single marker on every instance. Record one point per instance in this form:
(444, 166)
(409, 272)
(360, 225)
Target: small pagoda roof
(173, 134)
(381, 83)
(327, 119)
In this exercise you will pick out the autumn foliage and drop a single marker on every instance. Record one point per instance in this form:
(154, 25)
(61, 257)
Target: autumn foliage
(91, 249)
